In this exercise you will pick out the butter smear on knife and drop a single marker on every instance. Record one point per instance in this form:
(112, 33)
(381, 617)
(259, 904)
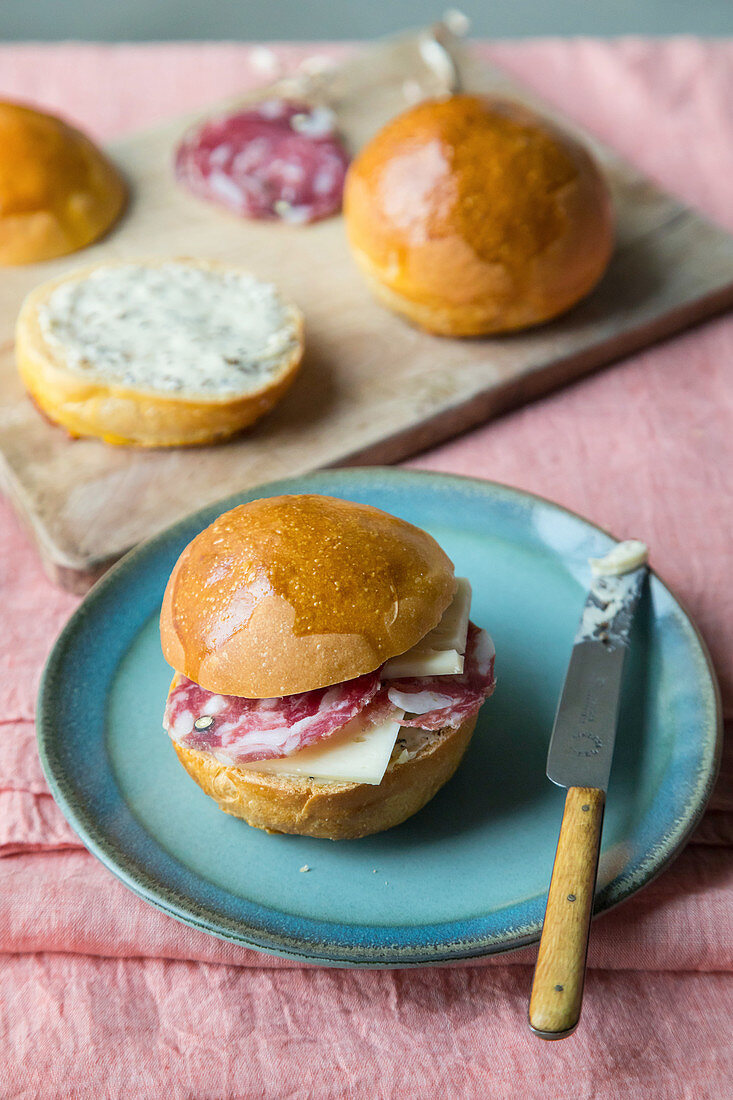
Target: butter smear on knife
(610, 591)
(624, 558)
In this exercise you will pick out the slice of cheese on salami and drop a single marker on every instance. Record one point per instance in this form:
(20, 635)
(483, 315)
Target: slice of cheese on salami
(344, 732)
(441, 651)
(358, 753)
(437, 702)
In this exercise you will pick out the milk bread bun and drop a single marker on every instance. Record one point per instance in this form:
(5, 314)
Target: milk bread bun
(471, 216)
(58, 192)
(335, 811)
(91, 370)
(288, 594)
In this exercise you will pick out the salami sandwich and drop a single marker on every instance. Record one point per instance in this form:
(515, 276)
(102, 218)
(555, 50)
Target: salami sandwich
(327, 674)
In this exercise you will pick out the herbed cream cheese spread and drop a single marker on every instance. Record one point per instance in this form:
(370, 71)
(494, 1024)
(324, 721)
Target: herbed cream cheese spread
(174, 327)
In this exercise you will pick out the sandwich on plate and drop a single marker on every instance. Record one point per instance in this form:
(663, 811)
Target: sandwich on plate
(327, 673)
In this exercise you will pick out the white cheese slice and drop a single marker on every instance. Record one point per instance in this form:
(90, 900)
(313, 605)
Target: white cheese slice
(359, 753)
(439, 653)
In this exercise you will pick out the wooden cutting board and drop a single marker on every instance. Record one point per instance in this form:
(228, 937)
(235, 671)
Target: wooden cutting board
(372, 389)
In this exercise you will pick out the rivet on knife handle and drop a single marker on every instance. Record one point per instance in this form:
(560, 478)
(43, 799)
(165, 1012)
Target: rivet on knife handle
(557, 987)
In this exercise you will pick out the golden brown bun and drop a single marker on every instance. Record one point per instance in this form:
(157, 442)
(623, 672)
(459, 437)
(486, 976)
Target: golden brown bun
(123, 415)
(472, 216)
(286, 594)
(336, 811)
(58, 192)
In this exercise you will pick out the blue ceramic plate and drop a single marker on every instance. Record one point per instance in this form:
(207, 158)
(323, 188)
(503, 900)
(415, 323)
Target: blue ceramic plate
(466, 876)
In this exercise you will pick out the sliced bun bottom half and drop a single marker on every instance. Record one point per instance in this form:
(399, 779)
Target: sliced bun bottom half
(331, 810)
(97, 402)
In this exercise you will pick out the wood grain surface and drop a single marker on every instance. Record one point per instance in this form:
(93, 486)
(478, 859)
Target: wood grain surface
(557, 987)
(372, 389)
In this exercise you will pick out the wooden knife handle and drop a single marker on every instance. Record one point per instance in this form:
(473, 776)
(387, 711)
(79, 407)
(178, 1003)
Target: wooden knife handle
(557, 986)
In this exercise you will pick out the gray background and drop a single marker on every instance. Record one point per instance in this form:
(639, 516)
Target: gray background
(141, 20)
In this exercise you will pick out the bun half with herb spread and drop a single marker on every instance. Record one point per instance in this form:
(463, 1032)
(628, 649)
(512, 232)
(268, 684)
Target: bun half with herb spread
(327, 676)
(158, 354)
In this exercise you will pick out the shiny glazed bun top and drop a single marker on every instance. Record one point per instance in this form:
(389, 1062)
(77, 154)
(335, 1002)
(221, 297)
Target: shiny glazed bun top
(58, 192)
(291, 593)
(471, 215)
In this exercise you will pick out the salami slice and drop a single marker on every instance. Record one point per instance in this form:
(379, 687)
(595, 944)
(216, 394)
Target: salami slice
(440, 701)
(278, 159)
(240, 731)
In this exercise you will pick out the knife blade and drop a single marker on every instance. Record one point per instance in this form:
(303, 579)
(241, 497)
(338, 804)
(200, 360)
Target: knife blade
(579, 758)
(584, 732)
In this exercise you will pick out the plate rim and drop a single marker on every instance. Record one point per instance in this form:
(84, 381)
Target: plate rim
(291, 946)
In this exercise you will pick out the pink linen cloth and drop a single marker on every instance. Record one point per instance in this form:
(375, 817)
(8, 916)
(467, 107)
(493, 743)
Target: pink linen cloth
(102, 996)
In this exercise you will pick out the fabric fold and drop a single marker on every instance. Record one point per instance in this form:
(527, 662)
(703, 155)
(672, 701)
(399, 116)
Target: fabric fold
(147, 1028)
(68, 902)
(33, 823)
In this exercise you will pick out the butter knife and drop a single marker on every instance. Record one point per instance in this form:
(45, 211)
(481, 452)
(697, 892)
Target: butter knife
(579, 758)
